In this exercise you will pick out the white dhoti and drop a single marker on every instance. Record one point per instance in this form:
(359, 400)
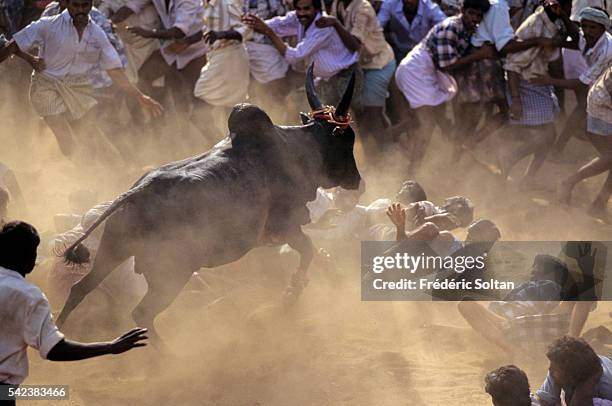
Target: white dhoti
(137, 49)
(421, 83)
(267, 64)
(224, 80)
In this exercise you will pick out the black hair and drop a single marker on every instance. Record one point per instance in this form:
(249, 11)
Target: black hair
(482, 5)
(553, 265)
(508, 385)
(484, 230)
(18, 242)
(315, 3)
(575, 358)
(410, 192)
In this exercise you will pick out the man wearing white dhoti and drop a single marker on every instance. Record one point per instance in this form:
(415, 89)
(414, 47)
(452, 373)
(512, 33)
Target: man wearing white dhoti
(71, 46)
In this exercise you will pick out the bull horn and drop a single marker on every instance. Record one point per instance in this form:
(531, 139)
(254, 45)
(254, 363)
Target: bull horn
(311, 93)
(345, 102)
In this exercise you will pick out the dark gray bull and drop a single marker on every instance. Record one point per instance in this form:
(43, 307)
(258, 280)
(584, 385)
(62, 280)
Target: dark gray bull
(249, 190)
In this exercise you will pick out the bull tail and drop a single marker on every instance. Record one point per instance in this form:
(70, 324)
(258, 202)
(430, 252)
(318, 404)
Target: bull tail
(76, 253)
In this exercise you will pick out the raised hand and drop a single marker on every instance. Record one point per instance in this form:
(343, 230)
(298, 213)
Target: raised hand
(132, 339)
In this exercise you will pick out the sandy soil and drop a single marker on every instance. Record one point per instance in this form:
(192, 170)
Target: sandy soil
(329, 349)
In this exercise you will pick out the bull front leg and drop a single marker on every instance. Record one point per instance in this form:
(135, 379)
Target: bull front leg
(303, 245)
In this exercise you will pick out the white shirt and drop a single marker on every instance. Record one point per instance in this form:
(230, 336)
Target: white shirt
(65, 56)
(323, 46)
(598, 58)
(187, 16)
(25, 317)
(495, 26)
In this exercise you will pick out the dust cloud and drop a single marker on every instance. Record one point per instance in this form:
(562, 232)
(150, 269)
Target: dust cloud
(233, 343)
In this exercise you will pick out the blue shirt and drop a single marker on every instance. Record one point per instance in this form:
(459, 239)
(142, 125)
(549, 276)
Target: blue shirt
(550, 392)
(404, 35)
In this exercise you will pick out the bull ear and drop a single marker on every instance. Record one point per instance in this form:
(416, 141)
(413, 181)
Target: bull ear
(311, 93)
(345, 102)
(305, 118)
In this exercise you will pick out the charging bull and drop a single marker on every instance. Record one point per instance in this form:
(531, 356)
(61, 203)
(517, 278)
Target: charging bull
(249, 190)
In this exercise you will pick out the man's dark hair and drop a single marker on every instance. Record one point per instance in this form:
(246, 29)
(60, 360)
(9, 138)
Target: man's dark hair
(410, 192)
(575, 357)
(483, 230)
(553, 265)
(482, 5)
(18, 240)
(315, 3)
(508, 386)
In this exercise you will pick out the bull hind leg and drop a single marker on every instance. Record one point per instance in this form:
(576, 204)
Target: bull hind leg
(303, 245)
(108, 258)
(164, 285)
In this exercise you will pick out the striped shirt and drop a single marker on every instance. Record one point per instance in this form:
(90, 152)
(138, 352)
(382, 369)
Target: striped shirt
(447, 41)
(223, 15)
(322, 46)
(187, 16)
(99, 78)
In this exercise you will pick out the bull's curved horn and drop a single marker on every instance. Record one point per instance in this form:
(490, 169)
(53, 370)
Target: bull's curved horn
(345, 102)
(311, 93)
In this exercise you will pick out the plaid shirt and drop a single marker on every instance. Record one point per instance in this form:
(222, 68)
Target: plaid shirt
(447, 41)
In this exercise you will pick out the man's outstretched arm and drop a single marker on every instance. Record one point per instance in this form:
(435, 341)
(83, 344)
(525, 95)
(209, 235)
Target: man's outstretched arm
(67, 350)
(8, 49)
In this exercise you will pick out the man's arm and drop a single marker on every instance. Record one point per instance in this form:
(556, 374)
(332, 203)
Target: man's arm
(8, 49)
(516, 45)
(258, 25)
(169, 34)
(66, 350)
(349, 40)
(484, 52)
(119, 78)
(575, 84)
(122, 14)
(516, 106)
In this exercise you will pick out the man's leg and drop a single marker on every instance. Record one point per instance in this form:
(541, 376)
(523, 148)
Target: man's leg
(486, 323)
(544, 140)
(422, 137)
(598, 165)
(60, 127)
(598, 207)
(576, 120)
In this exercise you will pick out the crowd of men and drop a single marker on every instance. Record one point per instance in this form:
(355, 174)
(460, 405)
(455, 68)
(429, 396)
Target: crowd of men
(470, 68)
(488, 62)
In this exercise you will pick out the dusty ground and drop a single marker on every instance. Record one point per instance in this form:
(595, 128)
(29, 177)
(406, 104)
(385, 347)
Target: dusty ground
(331, 348)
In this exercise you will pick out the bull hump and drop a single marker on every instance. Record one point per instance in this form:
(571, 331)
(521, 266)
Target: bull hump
(249, 120)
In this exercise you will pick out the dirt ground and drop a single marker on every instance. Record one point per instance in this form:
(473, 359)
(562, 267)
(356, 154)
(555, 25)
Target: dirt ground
(241, 347)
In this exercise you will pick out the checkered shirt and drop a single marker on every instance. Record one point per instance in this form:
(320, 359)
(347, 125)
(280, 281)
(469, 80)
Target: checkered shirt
(447, 41)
